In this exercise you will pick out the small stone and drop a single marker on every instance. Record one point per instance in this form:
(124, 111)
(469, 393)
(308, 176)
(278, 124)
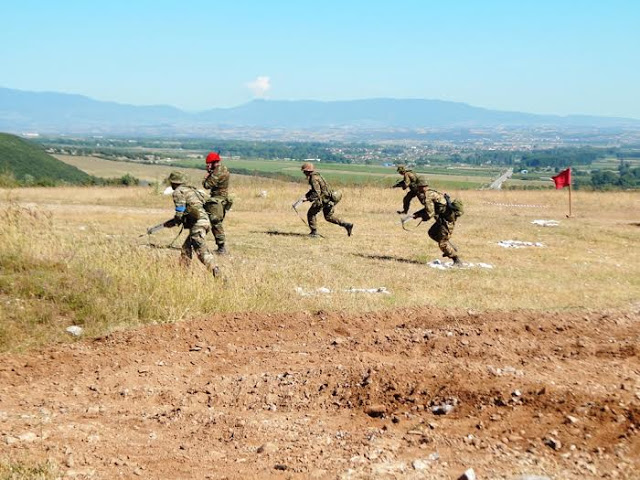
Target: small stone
(468, 475)
(28, 437)
(570, 420)
(339, 341)
(419, 465)
(280, 466)
(9, 440)
(267, 448)
(444, 409)
(74, 330)
(375, 411)
(553, 443)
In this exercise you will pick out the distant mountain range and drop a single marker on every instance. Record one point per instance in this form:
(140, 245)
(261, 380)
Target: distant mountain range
(57, 113)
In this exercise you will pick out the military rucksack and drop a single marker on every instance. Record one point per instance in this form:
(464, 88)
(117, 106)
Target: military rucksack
(336, 196)
(455, 206)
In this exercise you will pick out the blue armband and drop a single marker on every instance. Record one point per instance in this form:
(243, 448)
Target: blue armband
(181, 208)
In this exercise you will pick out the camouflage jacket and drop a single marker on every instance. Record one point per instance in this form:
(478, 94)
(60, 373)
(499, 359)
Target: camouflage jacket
(409, 180)
(189, 206)
(435, 205)
(320, 190)
(218, 181)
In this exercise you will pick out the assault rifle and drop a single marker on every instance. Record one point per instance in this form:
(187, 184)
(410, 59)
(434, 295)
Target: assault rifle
(154, 229)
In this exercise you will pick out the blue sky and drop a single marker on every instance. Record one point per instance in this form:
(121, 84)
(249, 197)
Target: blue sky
(541, 56)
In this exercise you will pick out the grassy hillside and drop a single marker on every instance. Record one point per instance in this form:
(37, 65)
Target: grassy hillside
(28, 163)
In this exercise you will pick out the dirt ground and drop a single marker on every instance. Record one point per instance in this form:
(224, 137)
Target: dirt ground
(416, 393)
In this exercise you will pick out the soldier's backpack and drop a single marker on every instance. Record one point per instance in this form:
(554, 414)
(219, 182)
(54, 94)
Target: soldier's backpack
(336, 196)
(455, 206)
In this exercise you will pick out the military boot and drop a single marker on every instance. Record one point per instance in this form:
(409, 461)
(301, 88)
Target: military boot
(215, 272)
(349, 228)
(456, 261)
(401, 212)
(221, 250)
(314, 234)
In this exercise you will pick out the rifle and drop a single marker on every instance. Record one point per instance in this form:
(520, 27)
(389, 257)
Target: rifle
(154, 229)
(295, 206)
(406, 218)
(160, 226)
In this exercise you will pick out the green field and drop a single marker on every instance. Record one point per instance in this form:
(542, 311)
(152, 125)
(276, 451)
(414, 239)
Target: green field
(440, 177)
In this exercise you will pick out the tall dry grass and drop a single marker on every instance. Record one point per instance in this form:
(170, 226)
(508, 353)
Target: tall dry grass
(74, 256)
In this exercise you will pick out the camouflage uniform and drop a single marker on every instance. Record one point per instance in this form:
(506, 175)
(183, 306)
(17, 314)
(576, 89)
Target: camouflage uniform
(189, 203)
(409, 180)
(320, 198)
(216, 207)
(435, 206)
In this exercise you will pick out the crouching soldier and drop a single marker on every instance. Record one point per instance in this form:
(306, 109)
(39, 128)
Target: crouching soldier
(437, 206)
(189, 204)
(409, 181)
(217, 181)
(323, 199)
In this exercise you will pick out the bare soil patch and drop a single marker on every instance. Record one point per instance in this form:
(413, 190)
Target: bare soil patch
(335, 395)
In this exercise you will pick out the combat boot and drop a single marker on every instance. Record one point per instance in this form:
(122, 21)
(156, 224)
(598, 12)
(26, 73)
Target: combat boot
(349, 228)
(314, 234)
(456, 261)
(401, 212)
(215, 272)
(221, 250)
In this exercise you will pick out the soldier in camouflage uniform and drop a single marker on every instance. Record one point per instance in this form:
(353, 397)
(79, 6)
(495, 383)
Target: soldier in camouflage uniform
(189, 203)
(409, 180)
(437, 207)
(217, 181)
(322, 198)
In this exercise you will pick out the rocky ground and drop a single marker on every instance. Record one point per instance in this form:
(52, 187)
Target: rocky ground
(419, 393)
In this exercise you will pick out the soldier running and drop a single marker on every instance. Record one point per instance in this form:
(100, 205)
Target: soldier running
(437, 207)
(217, 181)
(409, 180)
(322, 198)
(189, 204)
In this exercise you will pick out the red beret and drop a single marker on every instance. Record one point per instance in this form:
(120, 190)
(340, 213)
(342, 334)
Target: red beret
(213, 157)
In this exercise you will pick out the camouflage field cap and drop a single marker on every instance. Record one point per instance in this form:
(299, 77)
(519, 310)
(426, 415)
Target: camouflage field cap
(402, 168)
(307, 167)
(422, 181)
(177, 177)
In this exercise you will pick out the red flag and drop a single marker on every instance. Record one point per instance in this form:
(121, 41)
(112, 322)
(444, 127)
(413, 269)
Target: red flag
(562, 179)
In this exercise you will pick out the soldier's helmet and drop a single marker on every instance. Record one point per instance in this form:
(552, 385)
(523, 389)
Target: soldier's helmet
(402, 168)
(177, 178)
(307, 167)
(213, 157)
(422, 181)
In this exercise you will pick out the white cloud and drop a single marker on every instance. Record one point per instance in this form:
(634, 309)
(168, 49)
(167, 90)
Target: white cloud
(260, 86)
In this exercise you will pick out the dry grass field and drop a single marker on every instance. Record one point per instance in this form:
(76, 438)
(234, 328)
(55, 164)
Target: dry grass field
(84, 245)
(256, 380)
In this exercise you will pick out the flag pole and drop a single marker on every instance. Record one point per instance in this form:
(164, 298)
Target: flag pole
(570, 215)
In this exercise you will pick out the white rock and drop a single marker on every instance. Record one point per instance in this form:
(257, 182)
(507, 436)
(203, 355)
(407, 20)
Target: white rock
(28, 437)
(419, 465)
(74, 330)
(468, 475)
(168, 191)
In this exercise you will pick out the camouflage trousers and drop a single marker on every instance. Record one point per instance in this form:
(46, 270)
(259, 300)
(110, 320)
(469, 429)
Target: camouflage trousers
(327, 210)
(406, 201)
(216, 211)
(196, 242)
(441, 232)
